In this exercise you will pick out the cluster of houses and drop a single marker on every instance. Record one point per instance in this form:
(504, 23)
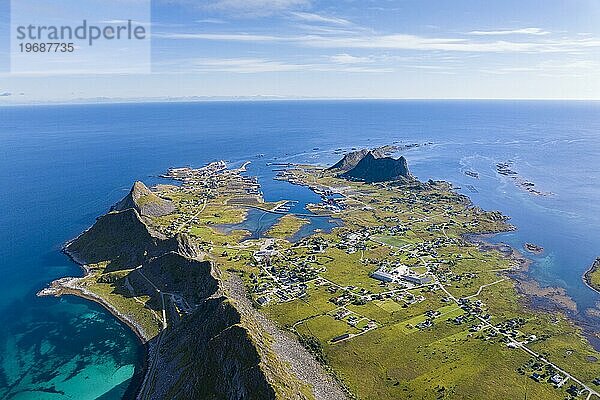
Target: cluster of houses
(473, 310)
(279, 291)
(204, 184)
(203, 177)
(281, 279)
(428, 323)
(314, 244)
(449, 276)
(349, 297)
(352, 242)
(511, 327)
(543, 372)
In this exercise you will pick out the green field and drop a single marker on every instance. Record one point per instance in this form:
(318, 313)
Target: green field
(286, 227)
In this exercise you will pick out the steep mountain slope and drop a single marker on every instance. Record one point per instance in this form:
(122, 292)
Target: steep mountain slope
(352, 159)
(119, 237)
(349, 160)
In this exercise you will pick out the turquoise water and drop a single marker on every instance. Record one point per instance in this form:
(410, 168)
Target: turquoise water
(62, 166)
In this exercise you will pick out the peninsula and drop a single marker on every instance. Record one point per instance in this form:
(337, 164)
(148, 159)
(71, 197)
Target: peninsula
(395, 303)
(592, 275)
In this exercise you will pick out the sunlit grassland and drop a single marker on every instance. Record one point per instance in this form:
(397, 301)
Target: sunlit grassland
(112, 288)
(286, 227)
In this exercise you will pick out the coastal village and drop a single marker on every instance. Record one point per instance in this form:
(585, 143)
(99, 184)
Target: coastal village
(407, 251)
(397, 283)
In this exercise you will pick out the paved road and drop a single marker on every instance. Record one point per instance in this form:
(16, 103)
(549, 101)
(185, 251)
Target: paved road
(194, 216)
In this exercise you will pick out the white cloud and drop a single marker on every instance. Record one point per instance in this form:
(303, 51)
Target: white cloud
(310, 17)
(553, 68)
(349, 59)
(359, 40)
(233, 37)
(522, 31)
(123, 22)
(326, 30)
(261, 65)
(5, 94)
(420, 43)
(243, 65)
(211, 21)
(254, 8)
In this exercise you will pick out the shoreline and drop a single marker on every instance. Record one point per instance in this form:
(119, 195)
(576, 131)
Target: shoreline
(587, 279)
(532, 295)
(553, 298)
(69, 286)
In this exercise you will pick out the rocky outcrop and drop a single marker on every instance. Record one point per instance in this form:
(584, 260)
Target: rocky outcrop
(372, 168)
(352, 159)
(211, 352)
(349, 161)
(126, 241)
(144, 202)
(183, 245)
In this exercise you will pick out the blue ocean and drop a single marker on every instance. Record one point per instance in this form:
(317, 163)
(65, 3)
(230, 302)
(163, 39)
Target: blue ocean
(61, 166)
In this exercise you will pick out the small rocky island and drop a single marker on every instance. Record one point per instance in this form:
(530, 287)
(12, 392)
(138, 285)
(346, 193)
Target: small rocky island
(506, 169)
(534, 248)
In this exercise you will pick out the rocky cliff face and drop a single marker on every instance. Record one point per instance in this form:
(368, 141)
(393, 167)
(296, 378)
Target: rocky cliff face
(373, 168)
(352, 159)
(126, 241)
(144, 202)
(119, 237)
(349, 160)
(208, 355)
(193, 279)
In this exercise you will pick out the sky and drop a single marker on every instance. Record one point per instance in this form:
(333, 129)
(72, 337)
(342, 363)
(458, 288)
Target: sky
(402, 49)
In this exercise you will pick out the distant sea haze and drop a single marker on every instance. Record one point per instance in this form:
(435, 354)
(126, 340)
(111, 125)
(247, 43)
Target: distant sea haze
(62, 166)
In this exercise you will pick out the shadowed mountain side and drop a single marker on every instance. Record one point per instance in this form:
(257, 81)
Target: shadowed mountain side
(195, 280)
(209, 355)
(379, 169)
(352, 159)
(212, 352)
(119, 237)
(125, 240)
(206, 349)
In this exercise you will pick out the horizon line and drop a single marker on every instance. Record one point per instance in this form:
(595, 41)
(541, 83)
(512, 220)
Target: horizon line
(271, 98)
